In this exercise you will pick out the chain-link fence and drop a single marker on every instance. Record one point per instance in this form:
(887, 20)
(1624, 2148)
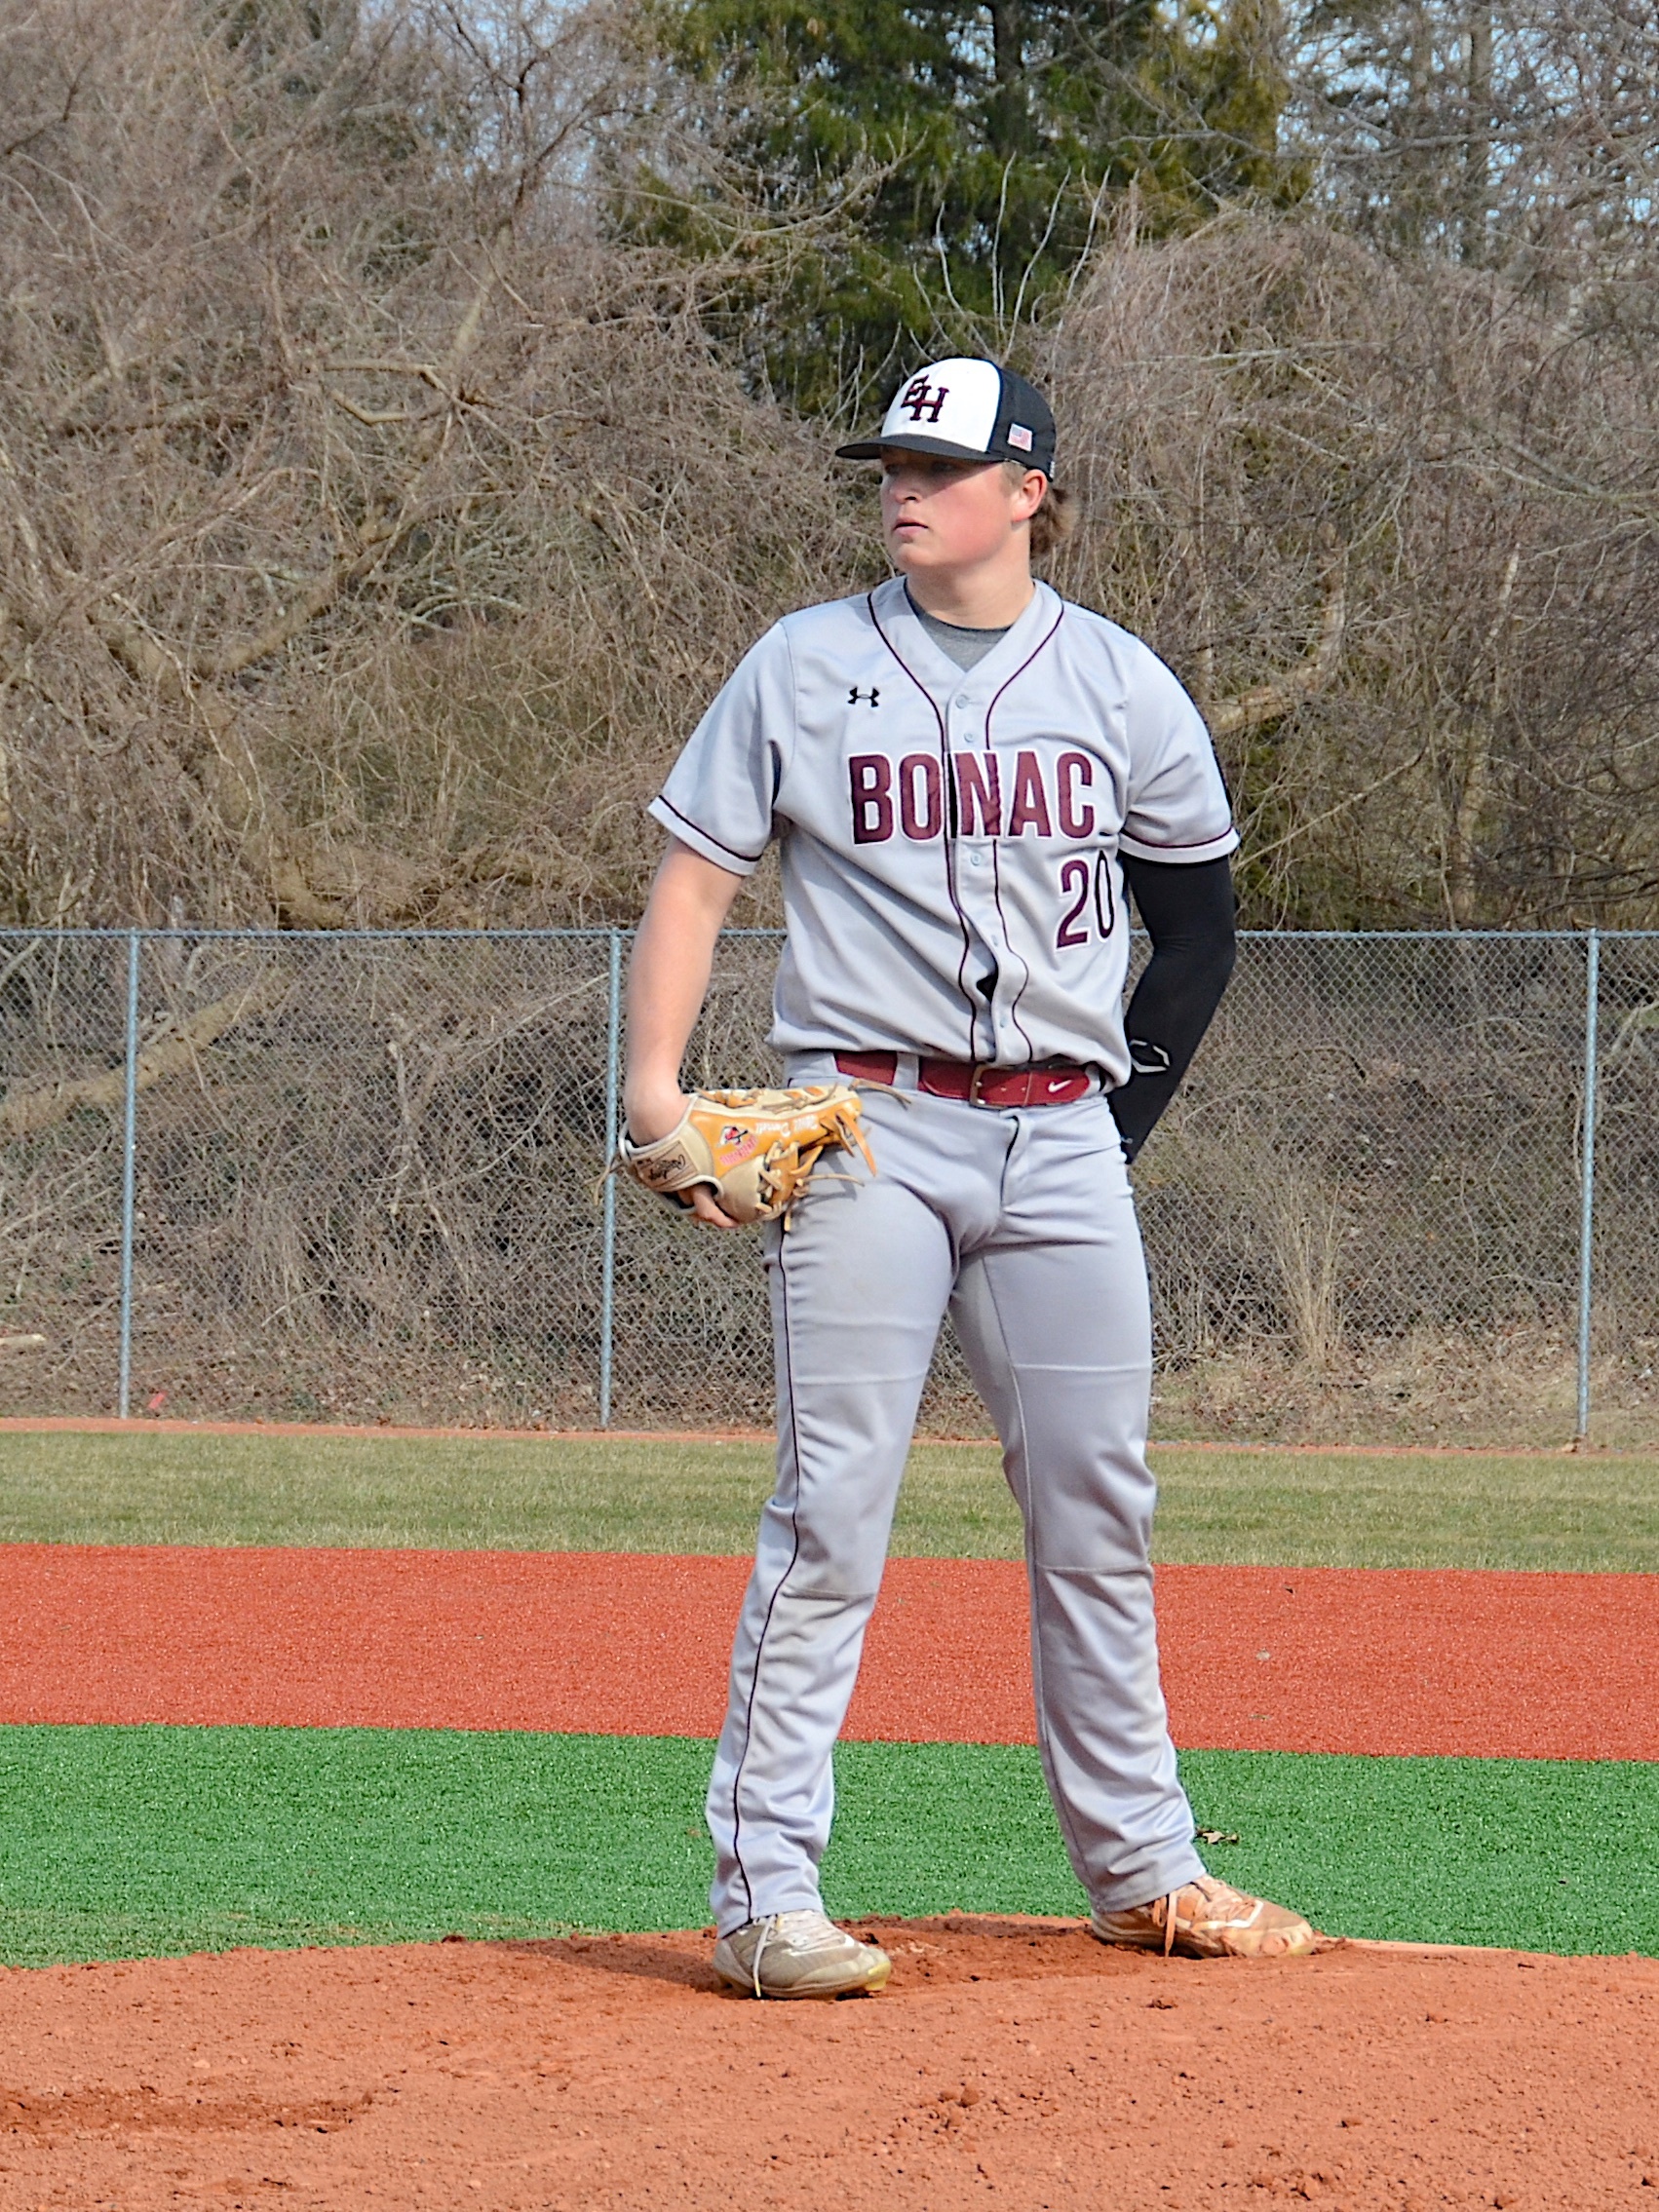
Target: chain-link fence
(359, 1177)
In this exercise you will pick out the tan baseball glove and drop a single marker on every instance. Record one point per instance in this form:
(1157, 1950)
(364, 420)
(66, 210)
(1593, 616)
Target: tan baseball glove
(753, 1149)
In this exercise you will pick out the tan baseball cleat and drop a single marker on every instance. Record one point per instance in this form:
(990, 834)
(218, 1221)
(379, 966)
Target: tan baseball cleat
(1205, 1919)
(799, 1955)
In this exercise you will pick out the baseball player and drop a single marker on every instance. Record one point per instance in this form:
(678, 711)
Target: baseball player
(964, 774)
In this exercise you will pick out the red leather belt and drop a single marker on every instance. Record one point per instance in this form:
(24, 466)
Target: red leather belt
(1056, 1084)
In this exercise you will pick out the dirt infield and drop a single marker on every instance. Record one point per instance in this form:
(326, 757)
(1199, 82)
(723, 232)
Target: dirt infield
(1010, 2063)
(1256, 1659)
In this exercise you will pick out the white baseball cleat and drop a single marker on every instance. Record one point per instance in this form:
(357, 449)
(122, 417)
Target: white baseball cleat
(799, 1955)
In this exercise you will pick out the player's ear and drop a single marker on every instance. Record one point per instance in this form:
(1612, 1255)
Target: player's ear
(1029, 488)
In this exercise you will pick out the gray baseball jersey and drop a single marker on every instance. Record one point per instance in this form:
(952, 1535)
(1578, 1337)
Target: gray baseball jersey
(950, 838)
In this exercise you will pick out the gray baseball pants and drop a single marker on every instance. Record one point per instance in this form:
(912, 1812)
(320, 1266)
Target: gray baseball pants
(1022, 1224)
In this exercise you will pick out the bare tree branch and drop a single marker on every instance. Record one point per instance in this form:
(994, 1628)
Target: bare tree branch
(28, 1109)
(1266, 702)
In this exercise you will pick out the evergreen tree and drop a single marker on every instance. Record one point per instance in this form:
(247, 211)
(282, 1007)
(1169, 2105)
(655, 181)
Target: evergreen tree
(995, 137)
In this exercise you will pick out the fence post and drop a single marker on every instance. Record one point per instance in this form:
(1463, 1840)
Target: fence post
(1587, 1181)
(129, 1171)
(607, 1275)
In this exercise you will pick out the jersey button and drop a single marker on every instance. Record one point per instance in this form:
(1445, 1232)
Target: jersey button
(963, 702)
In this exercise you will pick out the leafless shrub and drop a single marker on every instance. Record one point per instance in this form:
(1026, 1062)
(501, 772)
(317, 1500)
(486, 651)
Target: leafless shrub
(371, 530)
(1440, 498)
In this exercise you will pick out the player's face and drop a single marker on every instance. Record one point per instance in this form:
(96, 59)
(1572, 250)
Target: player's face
(952, 515)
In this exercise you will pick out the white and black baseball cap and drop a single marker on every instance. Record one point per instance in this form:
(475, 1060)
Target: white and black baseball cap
(966, 410)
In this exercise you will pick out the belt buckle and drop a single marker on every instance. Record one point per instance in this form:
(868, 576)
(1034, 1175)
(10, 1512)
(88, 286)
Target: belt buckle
(980, 1068)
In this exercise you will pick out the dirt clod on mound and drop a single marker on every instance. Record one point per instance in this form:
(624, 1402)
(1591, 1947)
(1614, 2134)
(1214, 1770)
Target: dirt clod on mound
(1010, 2062)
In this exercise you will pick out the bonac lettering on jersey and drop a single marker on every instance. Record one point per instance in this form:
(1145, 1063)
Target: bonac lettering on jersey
(907, 797)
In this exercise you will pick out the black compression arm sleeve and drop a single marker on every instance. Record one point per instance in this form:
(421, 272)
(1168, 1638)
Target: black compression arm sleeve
(1189, 914)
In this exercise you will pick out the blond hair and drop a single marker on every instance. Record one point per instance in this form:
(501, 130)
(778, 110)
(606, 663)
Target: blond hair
(1056, 517)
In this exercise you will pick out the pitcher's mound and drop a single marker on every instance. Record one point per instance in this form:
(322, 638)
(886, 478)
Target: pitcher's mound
(1010, 2061)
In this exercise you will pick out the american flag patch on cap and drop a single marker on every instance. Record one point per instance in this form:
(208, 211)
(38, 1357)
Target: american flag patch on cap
(1020, 438)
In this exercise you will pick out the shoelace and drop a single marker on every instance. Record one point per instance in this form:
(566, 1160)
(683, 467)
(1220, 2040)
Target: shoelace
(824, 1938)
(766, 1926)
(1208, 1893)
(1171, 1923)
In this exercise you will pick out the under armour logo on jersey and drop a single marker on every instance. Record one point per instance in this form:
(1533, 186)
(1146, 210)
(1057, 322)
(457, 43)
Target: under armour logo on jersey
(925, 399)
(855, 695)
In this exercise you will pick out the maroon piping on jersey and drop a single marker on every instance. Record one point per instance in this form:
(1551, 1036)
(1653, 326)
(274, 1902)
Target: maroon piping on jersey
(947, 841)
(752, 859)
(1191, 846)
(995, 863)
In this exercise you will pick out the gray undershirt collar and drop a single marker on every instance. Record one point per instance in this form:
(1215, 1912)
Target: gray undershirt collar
(966, 647)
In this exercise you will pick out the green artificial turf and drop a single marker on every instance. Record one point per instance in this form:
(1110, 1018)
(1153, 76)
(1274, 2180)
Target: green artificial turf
(119, 1843)
(1281, 1509)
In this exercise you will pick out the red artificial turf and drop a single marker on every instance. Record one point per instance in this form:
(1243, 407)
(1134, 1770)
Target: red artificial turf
(1260, 1658)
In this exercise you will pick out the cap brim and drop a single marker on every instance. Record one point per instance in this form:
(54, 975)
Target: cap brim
(872, 448)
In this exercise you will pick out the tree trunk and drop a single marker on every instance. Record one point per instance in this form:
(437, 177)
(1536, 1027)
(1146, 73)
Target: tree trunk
(1417, 168)
(1478, 144)
(1008, 113)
